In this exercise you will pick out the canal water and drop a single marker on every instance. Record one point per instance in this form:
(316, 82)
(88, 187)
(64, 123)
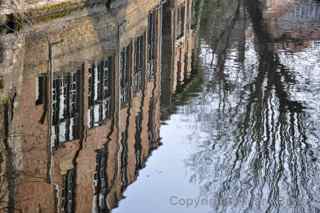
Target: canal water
(203, 106)
(244, 137)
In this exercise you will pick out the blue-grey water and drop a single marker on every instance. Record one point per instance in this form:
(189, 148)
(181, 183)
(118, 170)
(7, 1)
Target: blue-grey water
(245, 139)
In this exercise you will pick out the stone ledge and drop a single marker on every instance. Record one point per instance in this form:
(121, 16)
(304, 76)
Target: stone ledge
(43, 12)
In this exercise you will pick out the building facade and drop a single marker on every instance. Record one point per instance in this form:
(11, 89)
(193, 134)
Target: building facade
(179, 42)
(80, 110)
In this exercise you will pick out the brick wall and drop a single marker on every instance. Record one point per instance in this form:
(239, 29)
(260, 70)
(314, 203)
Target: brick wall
(75, 43)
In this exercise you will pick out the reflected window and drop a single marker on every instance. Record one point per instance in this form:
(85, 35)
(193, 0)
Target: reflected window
(100, 92)
(1, 52)
(152, 43)
(100, 180)
(138, 145)
(1, 83)
(179, 65)
(180, 22)
(68, 192)
(152, 128)
(66, 107)
(41, 88)
(139, 55)
(125, 75)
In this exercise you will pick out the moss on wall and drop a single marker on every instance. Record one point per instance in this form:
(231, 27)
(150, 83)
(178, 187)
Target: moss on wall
(54, 11)
(4, 100)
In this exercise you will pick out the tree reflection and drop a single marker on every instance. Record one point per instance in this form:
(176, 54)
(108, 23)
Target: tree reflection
(261, 158)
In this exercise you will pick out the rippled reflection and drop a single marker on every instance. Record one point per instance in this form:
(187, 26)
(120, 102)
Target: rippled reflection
(262, 153)
(80, 92)
(83, 93)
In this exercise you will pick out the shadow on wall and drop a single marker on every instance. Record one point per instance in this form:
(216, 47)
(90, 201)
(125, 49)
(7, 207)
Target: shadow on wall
(1, 54)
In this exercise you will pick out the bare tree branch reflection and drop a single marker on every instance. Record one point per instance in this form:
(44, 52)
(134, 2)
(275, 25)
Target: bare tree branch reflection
(260, 157)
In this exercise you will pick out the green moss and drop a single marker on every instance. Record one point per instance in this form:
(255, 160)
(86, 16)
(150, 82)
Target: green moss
(4, 100)
(190, 89)
(53, 11)
(46, 13)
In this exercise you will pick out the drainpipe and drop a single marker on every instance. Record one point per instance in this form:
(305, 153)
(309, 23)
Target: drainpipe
(51, 145)
(118, 74)
(161, 38)
(118, 86)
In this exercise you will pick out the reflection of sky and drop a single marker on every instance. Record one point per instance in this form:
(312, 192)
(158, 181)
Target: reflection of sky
(165, 175)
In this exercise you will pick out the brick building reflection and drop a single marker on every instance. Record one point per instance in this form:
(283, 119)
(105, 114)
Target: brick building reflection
(85, 112)
(179, 47)
(296, 27)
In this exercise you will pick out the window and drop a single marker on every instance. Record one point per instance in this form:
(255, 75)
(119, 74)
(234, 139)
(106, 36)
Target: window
(41, 88)
(152, 128)
(100, 92)
(1, 83)
(179, 65)
(1, 51)
(125, 75)
(139, 55)
(68, 192)
(138, 145)
(180, 21)
(66, 107)
(100, 183)
(152, 43)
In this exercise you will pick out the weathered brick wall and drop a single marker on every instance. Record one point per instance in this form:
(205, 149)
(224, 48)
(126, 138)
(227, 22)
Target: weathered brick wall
(167, 58)
(79, 41)
(11, 63)
(86, 39)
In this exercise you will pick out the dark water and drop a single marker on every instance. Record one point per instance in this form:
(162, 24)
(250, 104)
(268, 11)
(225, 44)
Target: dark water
(222, 116)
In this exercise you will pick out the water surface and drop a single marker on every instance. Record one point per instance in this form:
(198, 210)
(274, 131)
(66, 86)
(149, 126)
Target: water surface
(203, 106)
(247, 140)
